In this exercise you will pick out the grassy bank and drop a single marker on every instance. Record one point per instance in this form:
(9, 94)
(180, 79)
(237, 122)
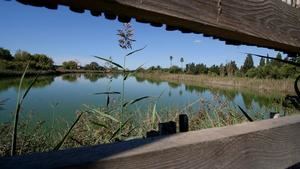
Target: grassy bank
(98, 125)
(284, 86)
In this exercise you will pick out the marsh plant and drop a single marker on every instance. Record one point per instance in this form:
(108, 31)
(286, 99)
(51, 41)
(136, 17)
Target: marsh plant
(125, 42)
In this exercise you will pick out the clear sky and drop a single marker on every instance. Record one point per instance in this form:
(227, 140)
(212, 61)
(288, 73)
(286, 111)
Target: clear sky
(65, 35)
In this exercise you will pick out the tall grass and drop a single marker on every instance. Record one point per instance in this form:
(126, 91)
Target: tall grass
(18, 109)
(258, 85)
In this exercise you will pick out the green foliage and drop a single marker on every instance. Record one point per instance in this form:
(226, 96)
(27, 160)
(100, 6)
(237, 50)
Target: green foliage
(175, 69)
(21, 58)
(231, 68)
(42, 62)
(93, 66)
(248, 64)
(262, 62)
(5, 54)
(70, 65)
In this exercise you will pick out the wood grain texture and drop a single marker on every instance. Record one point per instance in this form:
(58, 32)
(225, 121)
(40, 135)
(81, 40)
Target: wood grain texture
(267, 23)
(269, 144)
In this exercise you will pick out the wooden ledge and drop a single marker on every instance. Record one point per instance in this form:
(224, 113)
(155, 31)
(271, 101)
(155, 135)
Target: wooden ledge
(263, 144)
(267, 23)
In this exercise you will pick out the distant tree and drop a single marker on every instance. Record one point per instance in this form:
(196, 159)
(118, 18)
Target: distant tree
(275, 62)
(262, 62)
(171, 58)
(71, 65)
(231, 68)
(223, 70)
(42, 62)
(201, 69)
(175, 69)
(181, 61)
(23, 56)
(92, 66)
(5, 54)
(214, 70)
(248, 64)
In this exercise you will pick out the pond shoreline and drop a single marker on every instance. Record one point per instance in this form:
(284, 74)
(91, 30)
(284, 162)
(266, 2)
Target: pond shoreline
(13, 73)
(283, 86)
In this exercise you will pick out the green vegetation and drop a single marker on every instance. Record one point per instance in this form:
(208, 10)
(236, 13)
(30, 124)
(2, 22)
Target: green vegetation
(270, 69)
(70, 65)
(99, 125)
(21, 58)
(113, 121)
(279, 86)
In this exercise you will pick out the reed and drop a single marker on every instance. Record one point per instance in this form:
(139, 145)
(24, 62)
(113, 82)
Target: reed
(283, 86)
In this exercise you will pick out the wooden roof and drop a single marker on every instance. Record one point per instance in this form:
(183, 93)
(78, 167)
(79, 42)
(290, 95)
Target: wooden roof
(265, 23)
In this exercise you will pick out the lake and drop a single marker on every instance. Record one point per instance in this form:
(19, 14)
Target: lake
(60, 97)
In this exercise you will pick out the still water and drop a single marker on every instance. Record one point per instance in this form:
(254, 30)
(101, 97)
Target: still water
(60, 97)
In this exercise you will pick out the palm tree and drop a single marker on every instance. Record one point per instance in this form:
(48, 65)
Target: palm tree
(171, 58)
(181, 60)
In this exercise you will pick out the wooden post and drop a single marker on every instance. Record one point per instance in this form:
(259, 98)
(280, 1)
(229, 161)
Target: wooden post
(183, 123)
(167, 128)
(152, 133)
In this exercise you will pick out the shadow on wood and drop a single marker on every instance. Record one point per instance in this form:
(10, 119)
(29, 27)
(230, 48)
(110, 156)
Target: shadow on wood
(264, 144)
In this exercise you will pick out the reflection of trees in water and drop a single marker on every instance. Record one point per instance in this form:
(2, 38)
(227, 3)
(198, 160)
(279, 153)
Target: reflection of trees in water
(156, 82)
(195, 88)
(151, 81)
(93, 77)
(230, 94)
(41, 82)
(174, 85)
(180, 92)
(261, 100)
(139, 79)
(170, 93)
(71, 77)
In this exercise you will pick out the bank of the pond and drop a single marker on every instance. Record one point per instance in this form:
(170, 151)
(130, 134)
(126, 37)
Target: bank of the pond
(14, 73)
(279, 86)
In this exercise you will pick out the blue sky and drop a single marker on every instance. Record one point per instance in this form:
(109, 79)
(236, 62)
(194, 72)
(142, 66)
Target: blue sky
(65, 35)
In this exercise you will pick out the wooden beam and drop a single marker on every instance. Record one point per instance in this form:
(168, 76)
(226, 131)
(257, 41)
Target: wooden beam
(269, 144)
(267, 23)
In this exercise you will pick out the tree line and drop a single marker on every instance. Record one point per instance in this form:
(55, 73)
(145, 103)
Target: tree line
(266, 69)
(21, 58)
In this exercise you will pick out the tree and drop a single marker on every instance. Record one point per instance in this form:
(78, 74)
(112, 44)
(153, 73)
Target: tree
(42, 62)
(277, 63)
(171, 58)
(262, 62)
(248, 64)
(223, 70)
(23, 56)
(182, 60)
(92, 66)
(175, 69)
(231, 68)
(70, 65)
(5, 55)
(215, 70)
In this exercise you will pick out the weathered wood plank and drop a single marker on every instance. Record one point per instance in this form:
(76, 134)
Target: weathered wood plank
(267, 23)
(269, 144)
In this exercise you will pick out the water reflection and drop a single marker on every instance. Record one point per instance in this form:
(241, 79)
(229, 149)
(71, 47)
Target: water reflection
(41, 82)
(93, 77)
(78, 90)
(71, 77)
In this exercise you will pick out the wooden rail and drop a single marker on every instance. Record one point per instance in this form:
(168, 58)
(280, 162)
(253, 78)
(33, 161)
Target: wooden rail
(294, 3)
(269, 144)
(267, 23)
